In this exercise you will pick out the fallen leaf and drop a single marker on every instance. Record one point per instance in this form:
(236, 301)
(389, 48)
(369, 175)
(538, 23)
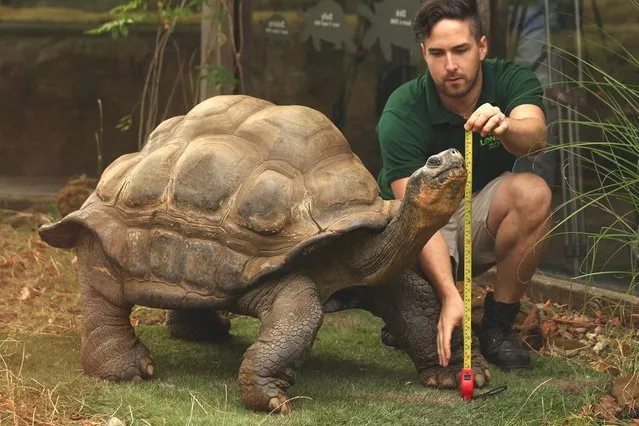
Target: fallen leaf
(604, 367)
(607, 408)
(548, 327)
(25, 293)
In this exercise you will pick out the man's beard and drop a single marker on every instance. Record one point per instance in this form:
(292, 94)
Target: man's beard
(463, 92)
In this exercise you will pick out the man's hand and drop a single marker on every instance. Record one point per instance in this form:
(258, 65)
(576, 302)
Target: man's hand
(523, 132)
(488, 119)
(451, 315)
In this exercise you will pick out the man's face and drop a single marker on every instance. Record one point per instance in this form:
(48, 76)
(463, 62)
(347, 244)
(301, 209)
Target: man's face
(453, 56)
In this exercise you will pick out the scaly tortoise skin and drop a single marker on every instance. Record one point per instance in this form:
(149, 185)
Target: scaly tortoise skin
(261, 210)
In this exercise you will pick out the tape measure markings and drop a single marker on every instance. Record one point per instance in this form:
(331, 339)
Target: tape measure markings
(468, 156)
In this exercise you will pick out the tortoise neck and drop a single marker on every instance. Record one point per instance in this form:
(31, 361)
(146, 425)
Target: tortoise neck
(386, 254)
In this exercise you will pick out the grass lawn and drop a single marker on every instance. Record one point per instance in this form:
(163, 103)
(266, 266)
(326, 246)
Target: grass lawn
(349, 379)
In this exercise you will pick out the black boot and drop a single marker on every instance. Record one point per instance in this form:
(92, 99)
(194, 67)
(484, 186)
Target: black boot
(500, 344)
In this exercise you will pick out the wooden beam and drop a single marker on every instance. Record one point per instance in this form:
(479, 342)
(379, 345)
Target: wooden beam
(215, 44)
(498, 28)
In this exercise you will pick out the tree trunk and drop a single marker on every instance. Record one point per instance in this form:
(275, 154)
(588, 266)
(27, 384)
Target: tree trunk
(494, 20)
(216, 48)
(483, 6)
(499, 27)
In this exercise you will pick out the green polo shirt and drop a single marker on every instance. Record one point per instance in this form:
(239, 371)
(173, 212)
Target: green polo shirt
(415, 125)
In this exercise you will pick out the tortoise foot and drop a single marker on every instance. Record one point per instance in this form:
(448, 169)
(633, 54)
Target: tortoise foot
(266, 394)
(119, 361)
(448, 377)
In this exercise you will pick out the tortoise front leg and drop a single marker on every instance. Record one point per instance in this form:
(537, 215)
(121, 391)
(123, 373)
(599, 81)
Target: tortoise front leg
(291, 314)
(109, 349)
(410, 307)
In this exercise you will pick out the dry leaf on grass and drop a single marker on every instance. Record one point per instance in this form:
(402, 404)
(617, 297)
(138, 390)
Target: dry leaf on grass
(607, 409)
(25, 293)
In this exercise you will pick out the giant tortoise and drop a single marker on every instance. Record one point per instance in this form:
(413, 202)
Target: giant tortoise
(261, 210)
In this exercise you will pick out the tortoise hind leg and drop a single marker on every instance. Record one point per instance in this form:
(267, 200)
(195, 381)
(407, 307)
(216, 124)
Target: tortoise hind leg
(199, 325)
(109, 348)
(290, 314)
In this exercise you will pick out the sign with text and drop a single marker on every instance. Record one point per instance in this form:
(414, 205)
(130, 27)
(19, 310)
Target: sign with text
(276, 29)
(391, 25)
(326, 21)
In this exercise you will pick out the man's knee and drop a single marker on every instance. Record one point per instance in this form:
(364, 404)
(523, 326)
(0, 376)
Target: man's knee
(531, 197)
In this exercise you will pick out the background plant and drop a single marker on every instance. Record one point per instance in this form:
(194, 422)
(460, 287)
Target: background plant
(217, 69)
(609, 151)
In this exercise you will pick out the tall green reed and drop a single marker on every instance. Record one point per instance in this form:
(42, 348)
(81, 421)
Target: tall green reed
(606, 109)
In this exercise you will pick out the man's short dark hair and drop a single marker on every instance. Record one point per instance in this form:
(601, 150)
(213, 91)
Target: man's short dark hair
(433, 11)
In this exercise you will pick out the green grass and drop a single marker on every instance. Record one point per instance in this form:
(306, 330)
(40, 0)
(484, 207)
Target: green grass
(349, 379)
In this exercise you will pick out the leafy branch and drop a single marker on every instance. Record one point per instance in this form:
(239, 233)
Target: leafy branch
(166, 14)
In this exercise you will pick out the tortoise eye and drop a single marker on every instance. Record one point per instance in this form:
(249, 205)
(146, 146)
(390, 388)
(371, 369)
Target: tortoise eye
(433, 161)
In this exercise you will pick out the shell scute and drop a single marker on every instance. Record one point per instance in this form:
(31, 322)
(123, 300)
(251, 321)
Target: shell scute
(338, 185)
(210, 170)
(135, 252)
(219, 116)
(113, 176)
(147, 181)
(266, 207)
(166, 259)
(201, 260)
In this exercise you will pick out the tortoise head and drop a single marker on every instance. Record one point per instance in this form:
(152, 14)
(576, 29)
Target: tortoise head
(438, 187)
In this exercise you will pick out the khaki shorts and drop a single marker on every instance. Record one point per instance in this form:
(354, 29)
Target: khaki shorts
(483, 241)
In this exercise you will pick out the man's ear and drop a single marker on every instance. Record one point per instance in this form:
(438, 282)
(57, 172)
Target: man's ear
(423, 50)
(483, 47)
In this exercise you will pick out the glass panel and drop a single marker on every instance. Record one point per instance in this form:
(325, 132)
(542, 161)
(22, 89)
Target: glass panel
(607, 29)
(343, 58)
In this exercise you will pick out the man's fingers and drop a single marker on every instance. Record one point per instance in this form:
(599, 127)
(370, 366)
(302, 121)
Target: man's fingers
(447, 337)
(492, 123)
(478, 119)
(501, 129)
(440, 347)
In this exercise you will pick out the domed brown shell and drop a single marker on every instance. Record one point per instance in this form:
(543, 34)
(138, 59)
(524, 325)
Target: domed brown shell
(225, 194)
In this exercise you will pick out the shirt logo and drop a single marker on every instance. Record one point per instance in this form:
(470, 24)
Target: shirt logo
(490, 141)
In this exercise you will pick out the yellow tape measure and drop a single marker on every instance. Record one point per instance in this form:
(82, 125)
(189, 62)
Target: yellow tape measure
(467, 381)
(468, 260)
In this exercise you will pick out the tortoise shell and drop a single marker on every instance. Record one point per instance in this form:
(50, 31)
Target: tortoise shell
(219, 197)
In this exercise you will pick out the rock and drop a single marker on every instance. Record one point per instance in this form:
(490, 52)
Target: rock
(114, 421)
(600, 346)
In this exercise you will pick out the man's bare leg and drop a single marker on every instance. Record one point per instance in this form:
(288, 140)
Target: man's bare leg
(519, 219)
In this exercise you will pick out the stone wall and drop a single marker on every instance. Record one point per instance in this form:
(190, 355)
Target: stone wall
(52, 78)
(50, 83)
